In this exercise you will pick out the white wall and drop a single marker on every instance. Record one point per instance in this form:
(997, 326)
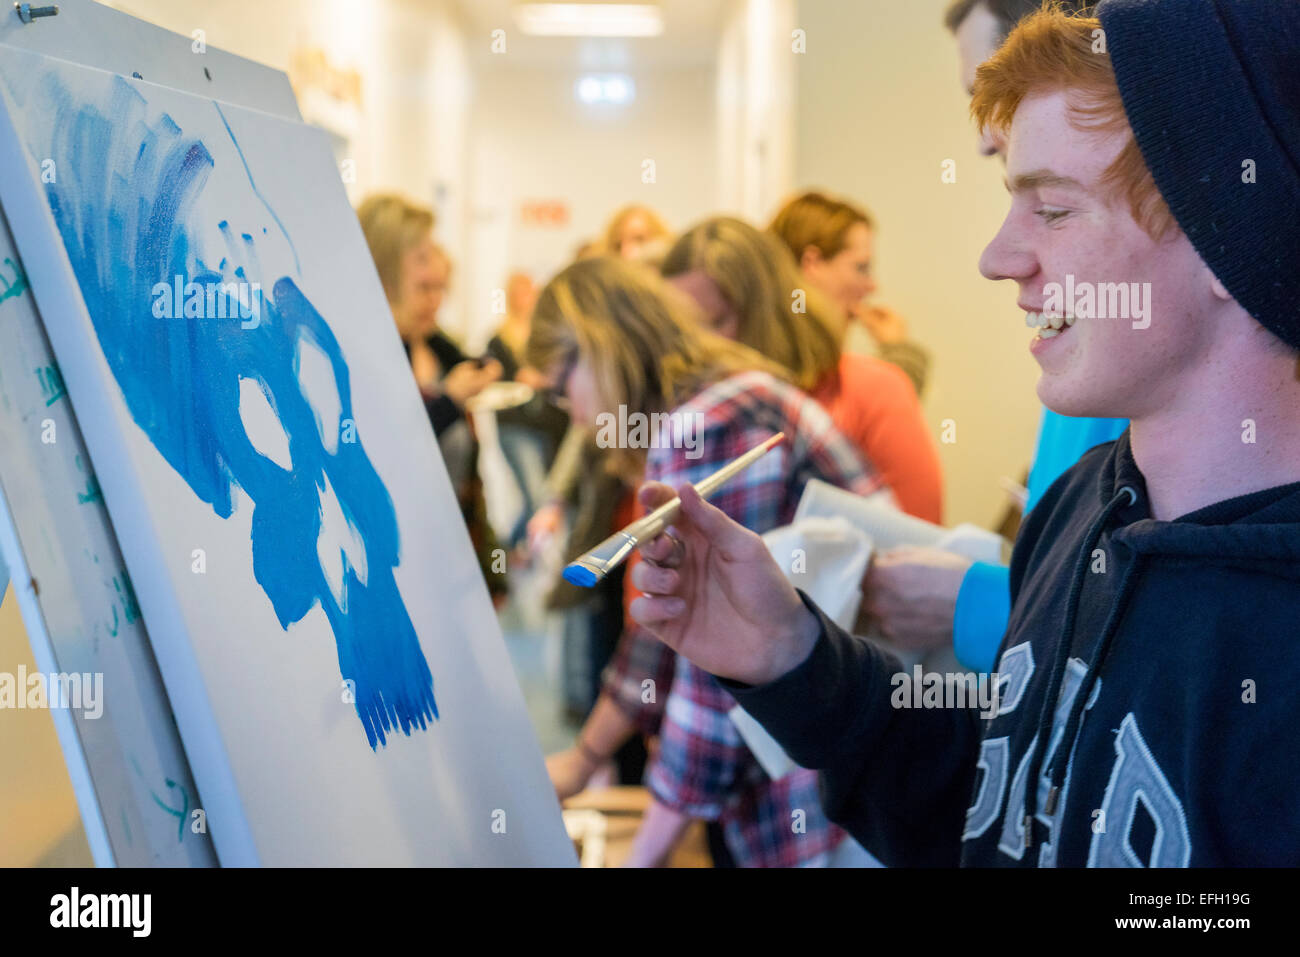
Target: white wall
(532, 140)
(879, 110)
(755, 107)
(409, 134)
(474, 134)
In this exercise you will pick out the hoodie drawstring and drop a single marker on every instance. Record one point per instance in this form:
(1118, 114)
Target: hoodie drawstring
(1059, 766)
(1125, 496)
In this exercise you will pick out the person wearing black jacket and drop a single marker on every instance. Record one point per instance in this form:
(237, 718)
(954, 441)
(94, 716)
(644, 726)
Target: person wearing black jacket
(443, 400)
(414, 271)
(1146, 710)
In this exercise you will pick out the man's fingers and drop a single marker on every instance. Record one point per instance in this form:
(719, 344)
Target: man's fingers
(871, 607)
(664, 549)
(901, 554)
(894, 556)
(654, 494)
(714, 524)
(652, 610)
(654, 580)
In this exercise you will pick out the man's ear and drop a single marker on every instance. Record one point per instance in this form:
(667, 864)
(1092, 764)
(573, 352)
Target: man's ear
(1220, 291)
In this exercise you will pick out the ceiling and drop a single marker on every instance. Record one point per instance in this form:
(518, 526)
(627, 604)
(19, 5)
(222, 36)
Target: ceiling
(690, 38)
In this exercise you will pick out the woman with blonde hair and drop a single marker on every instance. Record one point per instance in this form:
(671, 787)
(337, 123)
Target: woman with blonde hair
(626, 347)
(750, 290)
(414, 271)
(833, 244)
(637, 233)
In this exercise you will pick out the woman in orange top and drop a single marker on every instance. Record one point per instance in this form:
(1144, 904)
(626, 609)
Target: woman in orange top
(749, 288)
(833, 244)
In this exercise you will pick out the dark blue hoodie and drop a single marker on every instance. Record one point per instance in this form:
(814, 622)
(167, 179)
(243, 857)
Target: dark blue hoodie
(1171, 652)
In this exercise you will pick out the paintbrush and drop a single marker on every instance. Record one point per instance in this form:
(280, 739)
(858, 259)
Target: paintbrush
(590, 568)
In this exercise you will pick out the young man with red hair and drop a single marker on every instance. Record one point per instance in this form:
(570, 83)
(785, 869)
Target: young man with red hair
(1147, 676)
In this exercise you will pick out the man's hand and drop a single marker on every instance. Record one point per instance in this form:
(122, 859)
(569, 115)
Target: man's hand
(911, 593)
(713, 592)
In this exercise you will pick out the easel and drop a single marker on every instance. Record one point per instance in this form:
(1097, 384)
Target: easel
(132, 781)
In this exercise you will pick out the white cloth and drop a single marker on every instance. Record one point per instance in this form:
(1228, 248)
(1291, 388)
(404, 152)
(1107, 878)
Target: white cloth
(827, 558)
(825, 552)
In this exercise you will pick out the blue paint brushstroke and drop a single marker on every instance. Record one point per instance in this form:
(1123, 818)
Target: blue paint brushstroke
(124, 203)
(297, 264)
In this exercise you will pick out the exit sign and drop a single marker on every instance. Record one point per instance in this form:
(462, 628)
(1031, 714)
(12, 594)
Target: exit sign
(550, 213)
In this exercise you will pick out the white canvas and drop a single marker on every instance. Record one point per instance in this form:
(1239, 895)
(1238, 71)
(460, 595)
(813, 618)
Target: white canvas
(273, 480)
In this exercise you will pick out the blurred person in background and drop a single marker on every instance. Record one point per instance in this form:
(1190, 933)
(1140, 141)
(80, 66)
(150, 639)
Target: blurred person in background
(614, 337)
(588, 248)
(638, 234)
(750, 289)
(415, 271)
(597, 501)
(529, 433)
(634, 228)
(833, 242)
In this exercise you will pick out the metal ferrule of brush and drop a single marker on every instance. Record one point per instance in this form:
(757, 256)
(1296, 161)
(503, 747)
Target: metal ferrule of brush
(589, 569)
(599, 561)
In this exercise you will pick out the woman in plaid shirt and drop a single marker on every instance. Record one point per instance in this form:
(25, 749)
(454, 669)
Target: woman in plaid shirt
(621, 344)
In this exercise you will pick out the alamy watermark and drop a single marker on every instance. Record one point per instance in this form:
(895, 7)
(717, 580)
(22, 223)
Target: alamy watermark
(210, 300)
(83, 691)
(74, 909)
(933, 689)
(1105, 300)
(655, 430)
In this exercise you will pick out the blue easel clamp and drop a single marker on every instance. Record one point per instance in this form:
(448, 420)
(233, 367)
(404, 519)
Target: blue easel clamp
(27, 13)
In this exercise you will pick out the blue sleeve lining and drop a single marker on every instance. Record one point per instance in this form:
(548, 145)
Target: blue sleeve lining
(980, 618)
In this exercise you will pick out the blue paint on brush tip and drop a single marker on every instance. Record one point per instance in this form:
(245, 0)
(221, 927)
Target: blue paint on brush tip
(580, 575)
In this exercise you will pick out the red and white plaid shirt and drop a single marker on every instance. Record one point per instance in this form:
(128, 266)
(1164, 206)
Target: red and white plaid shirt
(704, 768)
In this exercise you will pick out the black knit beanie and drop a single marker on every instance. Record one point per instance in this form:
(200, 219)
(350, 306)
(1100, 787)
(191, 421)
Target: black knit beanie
(1212, 92)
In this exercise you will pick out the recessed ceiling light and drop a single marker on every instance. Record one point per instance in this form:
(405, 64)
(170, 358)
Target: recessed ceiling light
(614, 88)
(589, 19)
